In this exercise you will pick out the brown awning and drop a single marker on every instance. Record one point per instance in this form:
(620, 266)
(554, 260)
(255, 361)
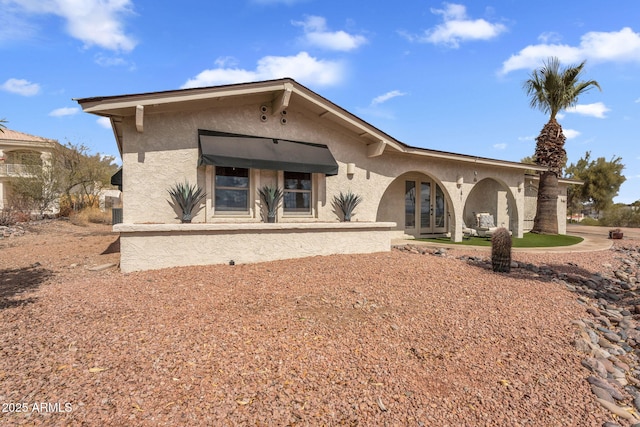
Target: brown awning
(245, 151)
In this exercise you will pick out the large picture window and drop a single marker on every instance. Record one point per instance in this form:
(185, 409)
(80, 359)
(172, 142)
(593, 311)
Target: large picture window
(297, 193)
(231, 189)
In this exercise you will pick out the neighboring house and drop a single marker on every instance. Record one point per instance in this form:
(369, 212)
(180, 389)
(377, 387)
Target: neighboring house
(233, 139)
(15, 147)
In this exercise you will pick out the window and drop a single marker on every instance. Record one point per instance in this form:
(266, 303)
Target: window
(232, 189)
(297, 193)
(410, 204)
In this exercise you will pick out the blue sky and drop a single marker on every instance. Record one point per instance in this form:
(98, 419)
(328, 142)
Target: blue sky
(444, 76)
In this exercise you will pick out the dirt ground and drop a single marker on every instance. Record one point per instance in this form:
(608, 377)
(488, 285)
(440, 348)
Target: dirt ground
(377, 339)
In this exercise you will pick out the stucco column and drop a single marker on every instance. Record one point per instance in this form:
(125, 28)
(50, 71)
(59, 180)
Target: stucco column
(455, 199)
(1, 195)
(2, 172)
(518, 195)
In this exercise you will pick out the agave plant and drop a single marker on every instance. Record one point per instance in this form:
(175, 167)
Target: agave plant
(271, 197)
(187, 198)
(347, 203)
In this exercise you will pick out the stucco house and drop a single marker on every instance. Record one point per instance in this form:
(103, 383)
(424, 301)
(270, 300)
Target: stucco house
(16, 148)
(231, 140)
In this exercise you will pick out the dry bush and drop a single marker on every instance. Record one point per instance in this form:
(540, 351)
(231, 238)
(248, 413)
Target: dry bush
(90, 215)
(7, 217)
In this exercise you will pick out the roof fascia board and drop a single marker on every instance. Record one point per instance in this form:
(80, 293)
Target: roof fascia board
(103, 105)
(470, 159)
(560, 180)
(329, 109)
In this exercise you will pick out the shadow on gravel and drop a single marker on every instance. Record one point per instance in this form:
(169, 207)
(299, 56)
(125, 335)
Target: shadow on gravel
(583, 281)
(113, 248)
(14, 282)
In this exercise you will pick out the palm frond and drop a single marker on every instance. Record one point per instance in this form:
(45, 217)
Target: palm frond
(552, 89)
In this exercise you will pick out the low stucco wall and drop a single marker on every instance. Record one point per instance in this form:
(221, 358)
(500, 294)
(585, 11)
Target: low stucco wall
(154, 246)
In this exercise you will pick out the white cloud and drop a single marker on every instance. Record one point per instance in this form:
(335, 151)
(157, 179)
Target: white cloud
(64, 111)
(615, 46)
(301, 67)
(316, 34)
(570, 133)
(226, 61)
(597, 109)
(109, 61)
(14, 27)
(21, 87)
(387, 96)
(458, 27)
(500, 146)
(526, 138)
(549, 36)
(637, 101)
(94, 22)
(104, 122)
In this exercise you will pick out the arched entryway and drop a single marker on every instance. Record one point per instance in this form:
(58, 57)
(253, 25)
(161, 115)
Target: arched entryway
(417, 203)
(494, 197)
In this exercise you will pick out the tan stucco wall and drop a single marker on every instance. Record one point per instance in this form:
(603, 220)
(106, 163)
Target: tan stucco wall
(154, 246)
(167, 152)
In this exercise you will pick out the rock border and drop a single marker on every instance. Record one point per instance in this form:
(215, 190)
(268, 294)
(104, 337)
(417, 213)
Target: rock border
(609, 338)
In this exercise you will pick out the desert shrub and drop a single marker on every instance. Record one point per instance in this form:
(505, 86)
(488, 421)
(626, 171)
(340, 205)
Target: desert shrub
(590, 221)
(7, 218)
(346, 203)
(620, 216)
(501, 250)
(90, 215)
(75, 203)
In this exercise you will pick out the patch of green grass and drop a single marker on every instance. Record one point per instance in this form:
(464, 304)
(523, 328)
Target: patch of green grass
(530, 240)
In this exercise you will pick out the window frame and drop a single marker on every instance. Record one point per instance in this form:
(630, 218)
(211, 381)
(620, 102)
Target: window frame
(250, 199)
(312, 196)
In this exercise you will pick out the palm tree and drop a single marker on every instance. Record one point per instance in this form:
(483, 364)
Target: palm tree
(551, 90)
(2, 126)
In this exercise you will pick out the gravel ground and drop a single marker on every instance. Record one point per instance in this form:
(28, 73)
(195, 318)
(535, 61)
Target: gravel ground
(393, 338)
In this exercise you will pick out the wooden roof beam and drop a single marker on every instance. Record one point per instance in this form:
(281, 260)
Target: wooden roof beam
(376, 149)
(281, 102)
(140, 118)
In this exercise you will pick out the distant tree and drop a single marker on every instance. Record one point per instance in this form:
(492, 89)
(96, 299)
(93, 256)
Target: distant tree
(602, 180)
(552, 90)
(71, 172)
(620, 215)
(2, 125)
(85, 174)
(529, 160)
(37, 186)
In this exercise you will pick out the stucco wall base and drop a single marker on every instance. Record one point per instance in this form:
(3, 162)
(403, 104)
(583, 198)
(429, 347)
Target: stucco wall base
(154, 246)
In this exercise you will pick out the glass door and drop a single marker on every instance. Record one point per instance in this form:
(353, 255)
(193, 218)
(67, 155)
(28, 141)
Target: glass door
(439, 210)
(425, 208)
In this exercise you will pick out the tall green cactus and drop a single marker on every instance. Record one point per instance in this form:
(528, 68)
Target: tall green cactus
(501, 250)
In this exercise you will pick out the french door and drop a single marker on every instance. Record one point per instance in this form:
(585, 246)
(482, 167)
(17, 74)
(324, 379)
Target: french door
(425, 208)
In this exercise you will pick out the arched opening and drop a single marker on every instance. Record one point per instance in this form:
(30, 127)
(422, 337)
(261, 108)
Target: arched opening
(494, 197)
(417, 203)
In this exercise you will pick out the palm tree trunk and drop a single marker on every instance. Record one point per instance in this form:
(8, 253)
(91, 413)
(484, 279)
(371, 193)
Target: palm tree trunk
(546, 220)
(550, 153)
